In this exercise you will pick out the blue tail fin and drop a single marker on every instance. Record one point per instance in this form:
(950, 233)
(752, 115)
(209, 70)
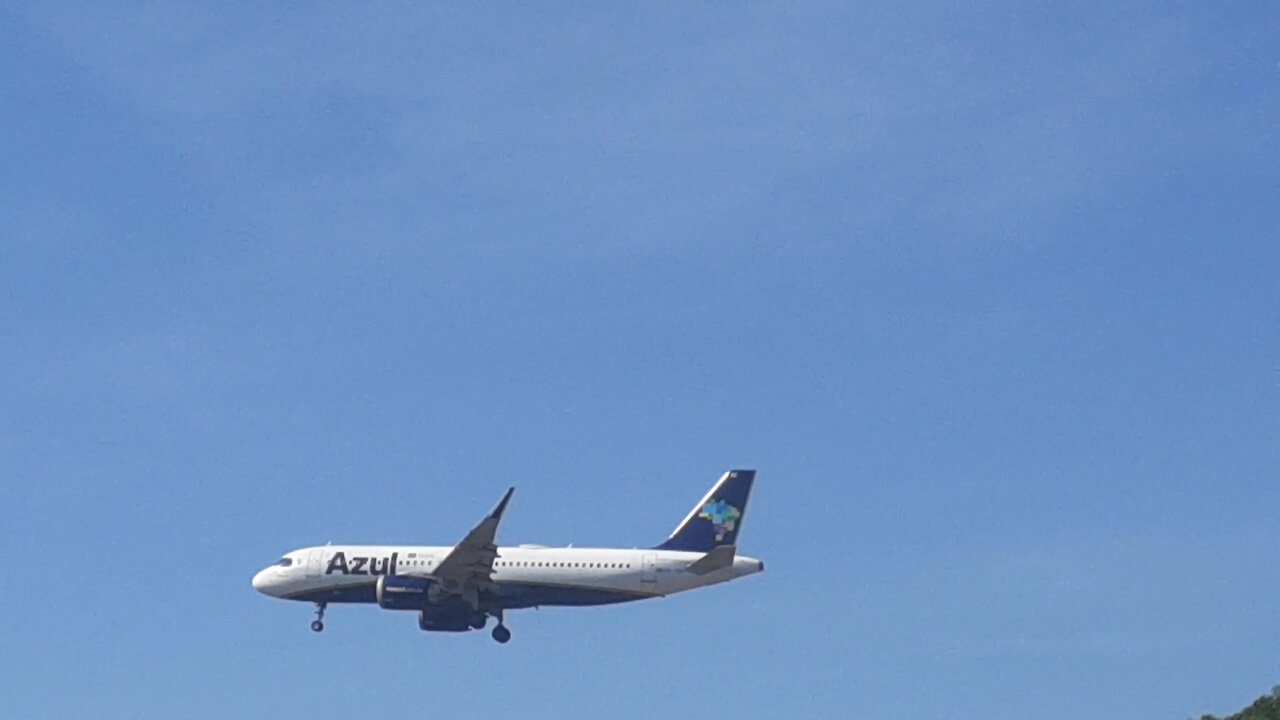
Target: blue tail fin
(717, 518)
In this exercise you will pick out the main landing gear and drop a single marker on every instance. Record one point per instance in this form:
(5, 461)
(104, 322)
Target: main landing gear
(317, 625)
(500, 631)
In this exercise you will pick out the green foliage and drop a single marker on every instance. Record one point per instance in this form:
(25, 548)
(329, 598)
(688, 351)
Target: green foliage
(1266, 707)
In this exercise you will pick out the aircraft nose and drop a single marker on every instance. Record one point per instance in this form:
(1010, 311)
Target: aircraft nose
(261, 581)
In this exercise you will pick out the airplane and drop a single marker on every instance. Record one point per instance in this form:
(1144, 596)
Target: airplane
(457, 589)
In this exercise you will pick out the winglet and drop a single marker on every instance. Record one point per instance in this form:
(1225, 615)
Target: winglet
(502, 504)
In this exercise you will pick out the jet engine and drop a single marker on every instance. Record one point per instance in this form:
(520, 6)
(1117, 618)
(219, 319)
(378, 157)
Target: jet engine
(450, 618)
(405, 592)
(402, 592)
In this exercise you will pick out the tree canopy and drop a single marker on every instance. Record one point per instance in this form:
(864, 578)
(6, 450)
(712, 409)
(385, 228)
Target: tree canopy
(1266, 707)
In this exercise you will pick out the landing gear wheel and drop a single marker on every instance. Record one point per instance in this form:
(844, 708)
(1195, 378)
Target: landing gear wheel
(317, 625)
(501, 634)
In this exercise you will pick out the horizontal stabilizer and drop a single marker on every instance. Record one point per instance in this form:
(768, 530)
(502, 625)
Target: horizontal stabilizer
(718, 559)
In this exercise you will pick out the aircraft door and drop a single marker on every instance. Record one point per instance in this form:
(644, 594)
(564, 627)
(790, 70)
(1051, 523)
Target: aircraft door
(649, 567)
(313, 562)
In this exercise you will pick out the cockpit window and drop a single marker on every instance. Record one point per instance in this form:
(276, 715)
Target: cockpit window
(285, 562)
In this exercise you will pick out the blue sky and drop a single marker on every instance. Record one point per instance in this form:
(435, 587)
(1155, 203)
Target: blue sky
(987, 293)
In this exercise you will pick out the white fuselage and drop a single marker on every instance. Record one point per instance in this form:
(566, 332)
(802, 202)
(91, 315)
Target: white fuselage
(526, 575)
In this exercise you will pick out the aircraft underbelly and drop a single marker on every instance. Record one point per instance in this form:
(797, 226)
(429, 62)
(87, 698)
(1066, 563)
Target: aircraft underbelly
(525, 595)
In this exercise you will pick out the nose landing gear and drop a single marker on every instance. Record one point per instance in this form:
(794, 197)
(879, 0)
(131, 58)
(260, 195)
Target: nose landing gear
(317, 625)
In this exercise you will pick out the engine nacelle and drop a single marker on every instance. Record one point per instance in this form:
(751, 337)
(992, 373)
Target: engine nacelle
(403, 592)
(450, 618)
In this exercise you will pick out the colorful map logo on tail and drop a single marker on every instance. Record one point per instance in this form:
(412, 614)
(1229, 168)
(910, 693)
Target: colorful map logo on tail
(722, 515)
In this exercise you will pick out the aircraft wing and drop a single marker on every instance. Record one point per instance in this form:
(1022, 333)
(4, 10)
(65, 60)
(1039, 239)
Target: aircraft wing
(468, 568)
